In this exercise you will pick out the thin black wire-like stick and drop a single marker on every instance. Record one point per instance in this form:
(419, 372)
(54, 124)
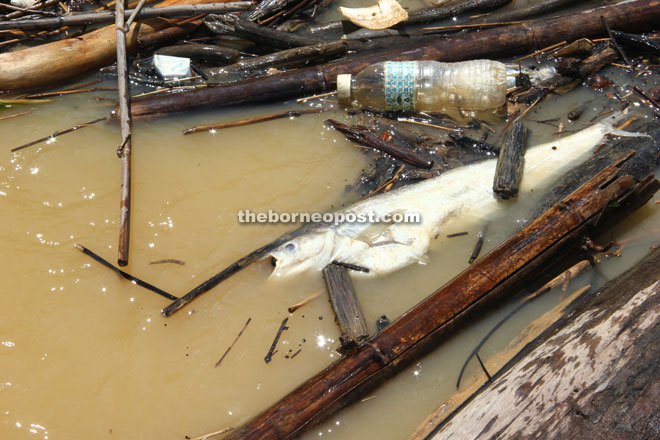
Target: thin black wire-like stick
(59, 133)
(128, 276)
(271, 352)
(232, 344)
(614, 42)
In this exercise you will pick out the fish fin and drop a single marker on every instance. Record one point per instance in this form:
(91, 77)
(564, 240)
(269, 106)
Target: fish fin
(624, 133)
(372, 232)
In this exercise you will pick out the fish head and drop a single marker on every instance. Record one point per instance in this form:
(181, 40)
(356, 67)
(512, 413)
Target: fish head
(311, 251)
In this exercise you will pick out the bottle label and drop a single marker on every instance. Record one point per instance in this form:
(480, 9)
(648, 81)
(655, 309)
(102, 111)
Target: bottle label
(400, 85)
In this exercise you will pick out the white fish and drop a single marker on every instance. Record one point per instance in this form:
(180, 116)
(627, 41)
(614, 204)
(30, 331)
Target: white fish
(383, 248)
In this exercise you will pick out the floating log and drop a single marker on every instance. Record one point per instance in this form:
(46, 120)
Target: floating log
(426, 15)
(492, 43)
(420, 329)
(364, 137)
(346, 306)
(533, 10)
(47, 64)
(508, 172)
(108, 16)
(592, 373)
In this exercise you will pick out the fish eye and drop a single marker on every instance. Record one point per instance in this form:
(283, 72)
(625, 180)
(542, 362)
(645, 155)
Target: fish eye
(291, 247)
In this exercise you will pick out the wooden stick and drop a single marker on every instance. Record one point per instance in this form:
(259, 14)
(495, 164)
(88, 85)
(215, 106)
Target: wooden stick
(305, 301)
(508, 172)
(138, 13)
(346, 306)
(16, 115)
(421, 328)
(69, 92)
(58, 133)
(128, 276)
(124, 150)
(271, 351)
(241, 122)
(491, 43)
(363, 137)
(232, 344)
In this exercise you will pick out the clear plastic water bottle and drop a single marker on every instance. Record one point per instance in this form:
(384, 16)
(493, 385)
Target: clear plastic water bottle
(429, 85)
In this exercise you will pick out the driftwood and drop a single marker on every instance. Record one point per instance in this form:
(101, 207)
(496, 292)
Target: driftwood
(426, 15)
(421, 328)
(346, 306)
(124, 151)
(258, 34)
(364, 137)
(508, 172)
(491, 43)
(530, 11)
(108, 17)
(289, 57)
(47, 64)
(594, 375)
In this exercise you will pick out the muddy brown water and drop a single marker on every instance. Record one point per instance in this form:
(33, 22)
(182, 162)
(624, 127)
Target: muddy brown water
(86, 354)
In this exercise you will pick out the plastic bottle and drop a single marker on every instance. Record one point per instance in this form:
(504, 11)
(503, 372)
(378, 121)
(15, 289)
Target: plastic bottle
(431, 85)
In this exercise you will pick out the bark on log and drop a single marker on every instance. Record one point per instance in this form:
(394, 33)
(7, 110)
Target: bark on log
(508, 172)
(420, 329)
(346, 306)
(597, 377)
(492, 43)
(47, 64)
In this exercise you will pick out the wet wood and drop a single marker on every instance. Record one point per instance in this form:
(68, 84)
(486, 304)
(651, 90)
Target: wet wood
(508, 172)
(533, 10)
(123, 274)
(202, 52)
(271, 351)
(594, 375)
(364, 137)
(58, 133)
(346, 306)
(124, 151)
(492, 43)
(477, 246)
(474, 146)
(259, 34)
(426, 15)
(224, 355)
(255, 120)
(50, 63)
(304, 302)
(286, 58)
(495, 365)
(420, 329)
(108, 16)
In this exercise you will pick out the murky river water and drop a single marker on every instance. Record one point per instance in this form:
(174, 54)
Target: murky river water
(86, 354)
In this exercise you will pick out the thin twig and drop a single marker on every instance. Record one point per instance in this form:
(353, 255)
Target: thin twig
(58, 133)
(613, 40)
(15, 115)
(271, 351)
(538, 52)
(389, 182)
(239, 123)
(232, 344)
(305, 301)
(129, 22)
(128, 276)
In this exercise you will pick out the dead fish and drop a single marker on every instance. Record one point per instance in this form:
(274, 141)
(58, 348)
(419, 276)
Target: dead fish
(465, 192)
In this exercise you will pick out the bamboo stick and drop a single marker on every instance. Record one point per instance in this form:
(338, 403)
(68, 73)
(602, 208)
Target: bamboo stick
(420, 329)
(492, 43)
